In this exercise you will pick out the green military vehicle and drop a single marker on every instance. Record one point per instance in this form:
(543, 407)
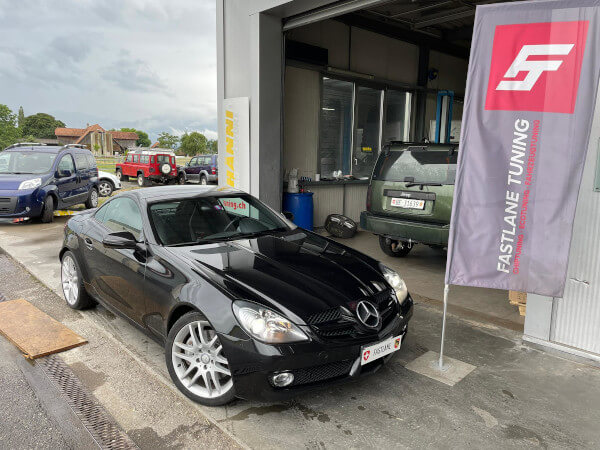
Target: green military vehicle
(409, 200)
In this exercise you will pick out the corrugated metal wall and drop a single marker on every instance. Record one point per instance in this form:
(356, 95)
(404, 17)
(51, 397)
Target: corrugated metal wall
(576, 316)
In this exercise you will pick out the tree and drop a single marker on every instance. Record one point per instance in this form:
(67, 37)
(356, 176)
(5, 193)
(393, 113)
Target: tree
(167, 140)
(41, 126)
(143, 139)
(213, 146)
(193, 143)
(9, 133)
(20, 117)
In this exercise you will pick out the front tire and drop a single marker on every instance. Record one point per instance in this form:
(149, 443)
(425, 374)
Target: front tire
(72, 283)
(196, 362)
(105, 188)
(48, 212)
(181, 179)
(397, 249)
(92, 201)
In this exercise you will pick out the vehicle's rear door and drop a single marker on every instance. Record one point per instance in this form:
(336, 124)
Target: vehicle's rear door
(66, 183)
(117, 275)
(84, 176)
(415, 183)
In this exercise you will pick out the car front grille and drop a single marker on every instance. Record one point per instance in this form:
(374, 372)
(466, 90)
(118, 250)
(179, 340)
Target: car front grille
(341, 323)
(8, 205)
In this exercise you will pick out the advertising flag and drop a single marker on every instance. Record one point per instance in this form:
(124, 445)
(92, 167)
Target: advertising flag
(530, 97)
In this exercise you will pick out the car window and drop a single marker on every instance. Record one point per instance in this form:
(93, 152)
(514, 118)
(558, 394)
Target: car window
(122, 214)
(136, 158)
(425, 166)
(163, 159)
(91, 161)
(66, 163)
(129, 158)
(145, 159)
(99, 216)
(193, 162)
(81, 162)
(26, 162)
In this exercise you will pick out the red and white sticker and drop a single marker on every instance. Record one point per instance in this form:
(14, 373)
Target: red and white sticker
(381, 349)
(536, 66)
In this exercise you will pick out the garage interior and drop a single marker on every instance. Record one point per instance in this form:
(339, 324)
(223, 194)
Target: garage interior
(356, 78)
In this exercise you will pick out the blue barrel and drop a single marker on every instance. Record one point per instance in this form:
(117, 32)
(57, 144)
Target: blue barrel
(301, 206)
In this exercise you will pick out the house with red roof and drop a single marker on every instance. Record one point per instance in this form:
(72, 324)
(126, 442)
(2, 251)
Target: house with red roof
(97, 139)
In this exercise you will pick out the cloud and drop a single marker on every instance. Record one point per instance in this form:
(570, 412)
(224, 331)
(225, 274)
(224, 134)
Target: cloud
(148, 64)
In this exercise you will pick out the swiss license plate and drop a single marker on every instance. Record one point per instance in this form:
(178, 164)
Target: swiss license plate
(379, 350)
(408, 203)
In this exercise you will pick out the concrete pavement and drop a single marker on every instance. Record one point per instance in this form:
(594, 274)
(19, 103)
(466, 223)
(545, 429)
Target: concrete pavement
(516, 397)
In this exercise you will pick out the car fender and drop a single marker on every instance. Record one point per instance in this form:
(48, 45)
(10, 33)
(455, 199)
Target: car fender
(204, 172)
(44, 191)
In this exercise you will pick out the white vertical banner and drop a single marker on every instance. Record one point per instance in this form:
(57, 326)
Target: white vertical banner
(234, 156)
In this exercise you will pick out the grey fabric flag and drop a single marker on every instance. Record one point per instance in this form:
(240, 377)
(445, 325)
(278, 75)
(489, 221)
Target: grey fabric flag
(531, 90)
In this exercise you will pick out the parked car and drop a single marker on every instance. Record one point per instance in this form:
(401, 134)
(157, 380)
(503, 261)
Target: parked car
(245, 303)
(107, 183)
(410, 194)
(36, 179)
(148, 165)
(202, 169)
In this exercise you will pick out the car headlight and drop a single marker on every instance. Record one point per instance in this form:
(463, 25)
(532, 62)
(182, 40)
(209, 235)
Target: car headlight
(396, 282)
(30, 184)
(266, 325)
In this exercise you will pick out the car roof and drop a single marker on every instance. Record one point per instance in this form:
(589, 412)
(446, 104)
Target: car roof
(156, 193)
(37, 148)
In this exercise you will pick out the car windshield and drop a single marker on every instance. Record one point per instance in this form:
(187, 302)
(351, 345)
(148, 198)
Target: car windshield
(15, 162)
(211, 219)
(417, 166)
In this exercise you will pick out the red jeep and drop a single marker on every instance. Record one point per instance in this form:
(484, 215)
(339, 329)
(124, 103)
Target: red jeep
(149, 165)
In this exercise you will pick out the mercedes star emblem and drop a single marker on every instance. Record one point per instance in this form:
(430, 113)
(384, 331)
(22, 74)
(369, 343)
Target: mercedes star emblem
(367, 314)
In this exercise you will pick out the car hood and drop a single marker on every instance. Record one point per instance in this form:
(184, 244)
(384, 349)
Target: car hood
(11, 182)
(294, 271)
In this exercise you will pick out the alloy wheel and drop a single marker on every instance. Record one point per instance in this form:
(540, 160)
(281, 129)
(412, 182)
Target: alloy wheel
(105, 188)
(70, 280)
(199, 363)
(94, 198)
(203, 180)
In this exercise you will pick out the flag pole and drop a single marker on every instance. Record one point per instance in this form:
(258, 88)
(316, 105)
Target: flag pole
(446, 291)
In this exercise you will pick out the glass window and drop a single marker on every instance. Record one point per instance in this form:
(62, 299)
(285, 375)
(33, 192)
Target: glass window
(81, 162)
(366, 131)
(396, 126)
(129, 158)
(193, 161)
(145, 159)
(208, 219)
(136, 158)
(91, 161)
(419, 166)
(122, 214)
(163, 159)
(26, 162)
(66, 163)
(335, 136)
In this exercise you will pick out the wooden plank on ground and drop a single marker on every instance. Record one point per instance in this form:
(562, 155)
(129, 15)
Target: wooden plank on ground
(34, 332)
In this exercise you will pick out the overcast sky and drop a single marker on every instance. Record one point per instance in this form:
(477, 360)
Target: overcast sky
(148, 64)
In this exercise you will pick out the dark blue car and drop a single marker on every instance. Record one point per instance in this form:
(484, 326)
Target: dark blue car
(37, 179)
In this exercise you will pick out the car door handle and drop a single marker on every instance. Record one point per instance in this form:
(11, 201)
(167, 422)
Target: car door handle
(88, 243)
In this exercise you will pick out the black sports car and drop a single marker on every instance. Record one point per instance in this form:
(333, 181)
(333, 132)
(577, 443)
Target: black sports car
(245, 303)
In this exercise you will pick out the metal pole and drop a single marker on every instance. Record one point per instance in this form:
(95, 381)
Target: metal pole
(446, 290)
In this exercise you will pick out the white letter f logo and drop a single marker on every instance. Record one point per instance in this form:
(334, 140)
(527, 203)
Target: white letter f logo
(534, 69)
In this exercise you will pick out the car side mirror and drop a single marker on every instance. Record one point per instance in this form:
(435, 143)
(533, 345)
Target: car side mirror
(288, 215)
(63, 173)
(121, 240)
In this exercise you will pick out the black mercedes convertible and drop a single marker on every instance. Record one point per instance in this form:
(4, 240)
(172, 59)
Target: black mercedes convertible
(245, 303)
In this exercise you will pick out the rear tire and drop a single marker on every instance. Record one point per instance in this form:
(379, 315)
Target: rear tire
(48, 212)
(72, 283)
(203, 180)
(120, 175)
(92, 201)
(397, 249)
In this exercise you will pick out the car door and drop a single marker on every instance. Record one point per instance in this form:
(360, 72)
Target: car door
(204, 165)
(117, 275)
(84, 177)
(191, 171)
(66, 181)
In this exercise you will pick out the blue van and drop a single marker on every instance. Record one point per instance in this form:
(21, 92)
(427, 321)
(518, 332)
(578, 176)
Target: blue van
(36, 179)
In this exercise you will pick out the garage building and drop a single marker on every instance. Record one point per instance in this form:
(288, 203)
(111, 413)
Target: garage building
(320, 86)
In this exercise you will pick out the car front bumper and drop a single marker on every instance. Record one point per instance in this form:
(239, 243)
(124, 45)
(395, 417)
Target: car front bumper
(314, 364)
(16, 204)
(405, 230)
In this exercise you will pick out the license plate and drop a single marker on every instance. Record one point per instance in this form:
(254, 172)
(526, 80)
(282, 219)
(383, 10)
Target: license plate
(379, 350)
(408, 203)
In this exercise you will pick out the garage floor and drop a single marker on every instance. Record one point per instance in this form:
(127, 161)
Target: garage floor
(424, 269)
